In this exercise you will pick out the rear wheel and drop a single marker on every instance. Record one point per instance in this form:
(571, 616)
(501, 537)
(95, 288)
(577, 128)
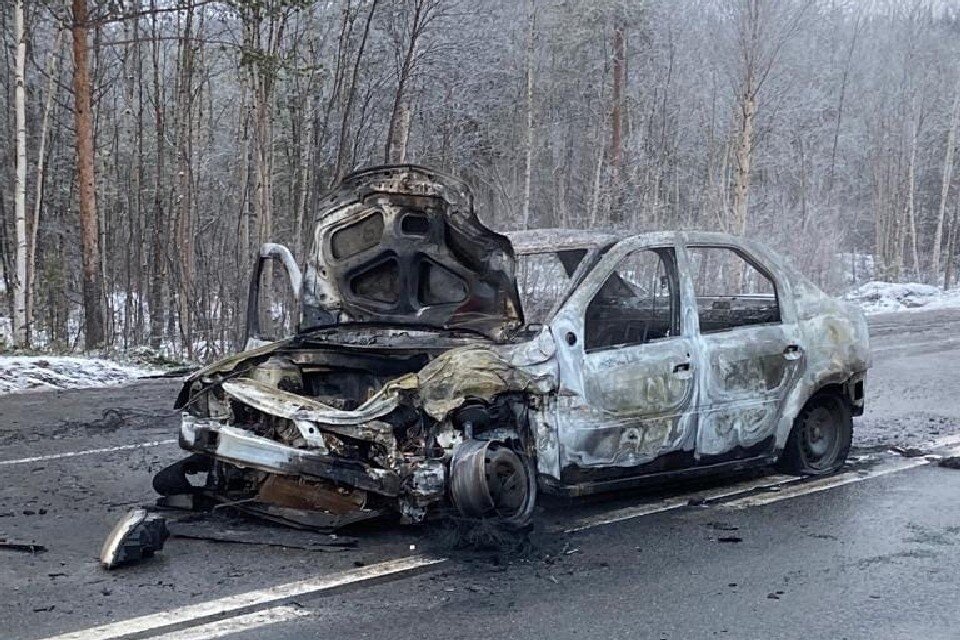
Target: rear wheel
(821, 437)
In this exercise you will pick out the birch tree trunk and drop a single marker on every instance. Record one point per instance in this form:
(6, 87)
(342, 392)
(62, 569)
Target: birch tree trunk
(945, 185)
(401, 134)
(528, 167)
(400, 102)
(911, 198)
(20, 293)
(344, 155)
(183, 227)
(951, 245)
(52, 63)
(616, 125)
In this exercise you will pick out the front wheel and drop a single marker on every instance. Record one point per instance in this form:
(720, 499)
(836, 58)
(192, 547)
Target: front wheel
(821, 437)
(490, 480)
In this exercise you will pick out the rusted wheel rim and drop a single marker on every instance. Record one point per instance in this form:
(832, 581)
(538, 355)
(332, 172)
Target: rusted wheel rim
(490, 479)
(506, 478)
(820, 437)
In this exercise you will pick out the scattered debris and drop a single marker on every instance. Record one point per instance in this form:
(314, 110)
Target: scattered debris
(414, 386)
(952, 462)
(909, 452)
(26, 547)
(138, 535)
(215, 530)
(722, 526)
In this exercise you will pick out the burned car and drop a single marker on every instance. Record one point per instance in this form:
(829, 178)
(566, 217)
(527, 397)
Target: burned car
(438, 367)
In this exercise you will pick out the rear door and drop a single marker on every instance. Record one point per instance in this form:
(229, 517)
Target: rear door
(627, 363)
(750, 349)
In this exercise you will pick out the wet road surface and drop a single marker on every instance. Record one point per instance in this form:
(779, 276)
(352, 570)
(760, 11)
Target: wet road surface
(870, 554)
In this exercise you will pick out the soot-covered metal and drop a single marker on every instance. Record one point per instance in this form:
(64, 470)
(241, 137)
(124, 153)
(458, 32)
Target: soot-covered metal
(414, 386)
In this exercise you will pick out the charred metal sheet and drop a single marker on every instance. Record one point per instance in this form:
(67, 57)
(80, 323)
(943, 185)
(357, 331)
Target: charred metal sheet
(403, 245)
(221, 530)
(469, 372)
(240, 447)
(287, 491)
(413, 372)
(136, 536)
(305, 518)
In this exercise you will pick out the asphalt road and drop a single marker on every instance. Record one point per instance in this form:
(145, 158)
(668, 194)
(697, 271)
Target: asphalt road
(869, 554)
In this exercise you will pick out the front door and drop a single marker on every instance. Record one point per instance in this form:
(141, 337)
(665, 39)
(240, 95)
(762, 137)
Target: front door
(751, 352)
(627, 364)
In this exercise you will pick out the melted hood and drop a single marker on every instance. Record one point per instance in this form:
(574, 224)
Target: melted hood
(402, 245)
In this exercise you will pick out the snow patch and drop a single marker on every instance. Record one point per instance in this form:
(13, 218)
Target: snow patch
(884, 297)
(22, 373)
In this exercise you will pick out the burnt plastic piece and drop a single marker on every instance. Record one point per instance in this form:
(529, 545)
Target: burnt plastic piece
(172, 480)
(138, 535)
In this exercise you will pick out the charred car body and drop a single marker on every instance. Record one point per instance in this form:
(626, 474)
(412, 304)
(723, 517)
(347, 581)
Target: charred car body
(438, 365)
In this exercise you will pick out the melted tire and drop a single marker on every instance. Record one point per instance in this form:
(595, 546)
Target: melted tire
(801, 455)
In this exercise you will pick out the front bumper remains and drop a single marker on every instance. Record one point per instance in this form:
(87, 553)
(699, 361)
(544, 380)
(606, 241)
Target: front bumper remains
(244, 449)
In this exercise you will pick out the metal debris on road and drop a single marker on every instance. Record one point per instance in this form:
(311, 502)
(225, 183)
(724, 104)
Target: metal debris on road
(953, 462)
(138, 535)
(26, 547)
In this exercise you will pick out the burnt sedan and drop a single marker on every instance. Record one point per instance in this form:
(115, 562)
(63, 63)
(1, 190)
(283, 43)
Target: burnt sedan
(434, 366)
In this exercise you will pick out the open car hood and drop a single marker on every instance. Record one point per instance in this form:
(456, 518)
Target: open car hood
(402, 245)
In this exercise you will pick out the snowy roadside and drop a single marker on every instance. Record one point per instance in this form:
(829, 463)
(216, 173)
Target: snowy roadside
(885, 297)
(24, 373)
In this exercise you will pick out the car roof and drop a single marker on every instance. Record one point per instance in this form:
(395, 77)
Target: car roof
(546, 240)
(532, 241)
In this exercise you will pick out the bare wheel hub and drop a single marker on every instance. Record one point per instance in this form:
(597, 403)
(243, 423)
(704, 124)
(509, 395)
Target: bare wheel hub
(488, 479)
(820, 436)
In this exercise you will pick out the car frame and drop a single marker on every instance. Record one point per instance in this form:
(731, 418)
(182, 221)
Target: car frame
(500, 408)
(812, 330)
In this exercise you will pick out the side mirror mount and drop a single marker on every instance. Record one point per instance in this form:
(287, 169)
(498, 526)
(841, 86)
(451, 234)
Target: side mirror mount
(269, 251)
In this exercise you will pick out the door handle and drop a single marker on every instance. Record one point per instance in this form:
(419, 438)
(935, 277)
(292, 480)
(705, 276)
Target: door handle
(792, 352)
(682, 370)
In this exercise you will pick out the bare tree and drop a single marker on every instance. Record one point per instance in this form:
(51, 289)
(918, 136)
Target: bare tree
(86, 179)
(945, 184)
(528, 167)
(20, 292)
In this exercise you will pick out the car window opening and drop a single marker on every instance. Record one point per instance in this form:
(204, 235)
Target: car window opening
(637, 304)
(731, 290)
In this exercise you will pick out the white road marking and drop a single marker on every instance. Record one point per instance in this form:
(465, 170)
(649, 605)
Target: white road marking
(786, 486)
(74, 454)
(669, 504)
(205, 612)
(238, 624)
(947, 342)
(822, 484)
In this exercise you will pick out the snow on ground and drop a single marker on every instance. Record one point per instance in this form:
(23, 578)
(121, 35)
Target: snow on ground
(22, 373)
(884, 297)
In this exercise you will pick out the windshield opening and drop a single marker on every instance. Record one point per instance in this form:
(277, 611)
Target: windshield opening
(544, 280)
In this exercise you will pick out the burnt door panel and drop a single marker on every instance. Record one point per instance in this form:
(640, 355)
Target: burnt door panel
(751, 354)
(628, 383)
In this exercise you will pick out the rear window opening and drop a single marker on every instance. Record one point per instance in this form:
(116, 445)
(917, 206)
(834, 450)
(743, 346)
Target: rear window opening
(732, 291)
